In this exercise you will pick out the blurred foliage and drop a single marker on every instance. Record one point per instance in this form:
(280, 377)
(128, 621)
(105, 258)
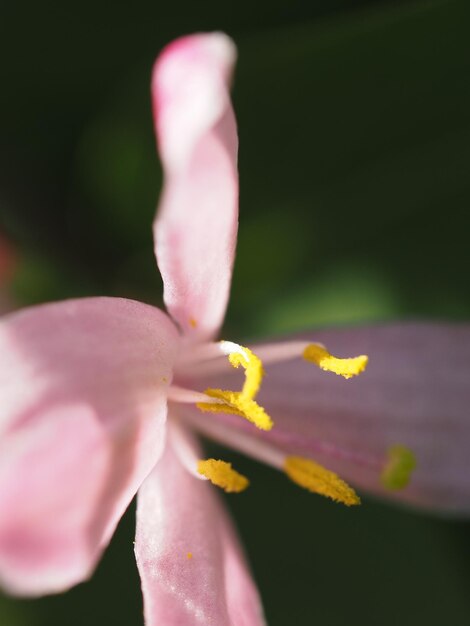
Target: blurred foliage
(354, 149)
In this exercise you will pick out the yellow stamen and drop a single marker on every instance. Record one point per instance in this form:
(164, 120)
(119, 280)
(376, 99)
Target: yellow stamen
(400, 464)
(317, 479)
(192, 322)
(189, 555)
(222, 474)
(235, 403)
(253, 371)
(241, 402)
(325, 361)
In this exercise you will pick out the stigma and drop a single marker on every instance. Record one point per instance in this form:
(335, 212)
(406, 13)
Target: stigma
(397, 469)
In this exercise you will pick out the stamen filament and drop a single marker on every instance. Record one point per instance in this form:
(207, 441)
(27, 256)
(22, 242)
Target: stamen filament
(236, 438)
(280, 352)
(200, 353)
(189, 396)
(207, 357)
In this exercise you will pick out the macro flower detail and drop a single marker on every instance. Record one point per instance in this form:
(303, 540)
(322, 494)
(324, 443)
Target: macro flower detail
(102, 397)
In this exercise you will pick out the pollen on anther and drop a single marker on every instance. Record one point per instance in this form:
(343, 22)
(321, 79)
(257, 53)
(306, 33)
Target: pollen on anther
(223, 475)
(189, 555)
(236, 403)
(253, 371)
(241, 402)
(347, 368)
(317, 479)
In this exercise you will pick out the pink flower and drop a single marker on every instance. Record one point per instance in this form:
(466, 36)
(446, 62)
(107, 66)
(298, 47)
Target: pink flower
(86, 387)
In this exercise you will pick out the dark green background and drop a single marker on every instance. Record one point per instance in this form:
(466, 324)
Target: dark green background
(354, 121)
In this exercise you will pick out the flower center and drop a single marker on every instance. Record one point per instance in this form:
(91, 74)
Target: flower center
(394, 471)
(240, 402)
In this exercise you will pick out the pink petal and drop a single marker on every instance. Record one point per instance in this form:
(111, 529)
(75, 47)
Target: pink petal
(82, 390)
(196, 227)
(414, 392)
(190, 562)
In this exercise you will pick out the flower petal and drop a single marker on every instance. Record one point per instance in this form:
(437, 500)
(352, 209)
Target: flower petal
(196, 226)
(83, 396)
(415, 392)
(190, 563)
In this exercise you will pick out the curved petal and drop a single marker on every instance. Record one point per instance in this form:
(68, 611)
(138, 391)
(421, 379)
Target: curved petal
(415, 392)
(83, 396)
(196, 226)
(190, 562)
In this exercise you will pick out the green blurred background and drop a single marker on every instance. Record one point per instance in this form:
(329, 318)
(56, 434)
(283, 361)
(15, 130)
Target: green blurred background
(354, 123)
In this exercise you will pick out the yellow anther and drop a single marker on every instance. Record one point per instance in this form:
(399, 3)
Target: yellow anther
(189, 555)
(236, 403)
(399, 467)
(241, 402)
(253, 371)
(222, 474)
(192, 322)
(325, 361)
(317, 479)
